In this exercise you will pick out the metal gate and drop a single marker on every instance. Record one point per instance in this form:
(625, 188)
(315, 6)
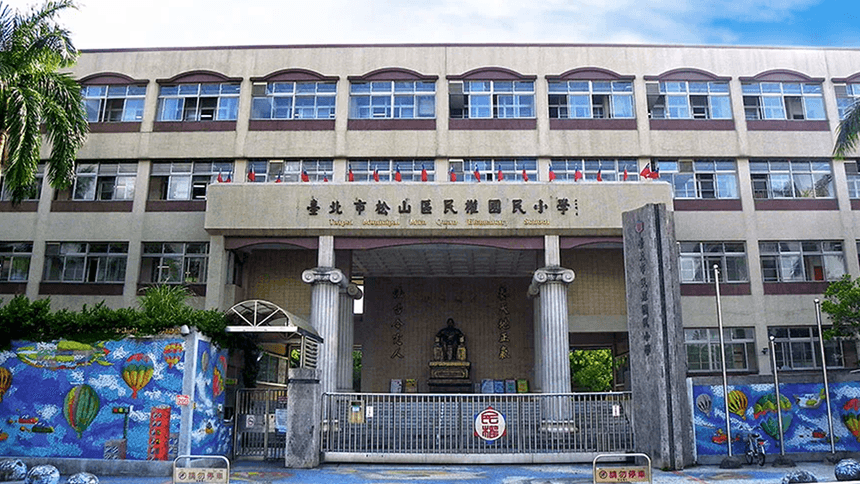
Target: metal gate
(255, 434)
(517, 428)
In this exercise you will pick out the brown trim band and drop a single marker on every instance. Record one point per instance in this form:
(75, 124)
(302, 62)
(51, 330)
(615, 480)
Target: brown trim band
(611, 124)
(589, 74)
(295, 75)
(855, 204)
(492, 124)
(692, 124)
(786, 125)
(23, 207)
(391, 124)
(127, 127)
(778, 288)
(291, 125)
(797, 204)
(178, 126)
(176, 205)
(80, 289)
(726, 289)
(688, 74)
(393, 74)
(709, 205)
(13, 288)
(91, 206)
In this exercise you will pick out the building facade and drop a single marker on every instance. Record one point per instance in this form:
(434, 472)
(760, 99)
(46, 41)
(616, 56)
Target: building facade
(482, 183)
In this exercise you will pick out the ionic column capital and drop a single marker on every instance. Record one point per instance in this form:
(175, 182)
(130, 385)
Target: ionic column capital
(353, 291)
(319, 275)
(550, 274)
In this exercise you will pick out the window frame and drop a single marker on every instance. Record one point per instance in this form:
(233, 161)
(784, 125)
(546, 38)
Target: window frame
(386, 94)
(294, 101)
(36, 191)
(762, 100)
(708, 344)
(512, 169)
(410, 169)
(611, 169)
(800, 257)
(698, 258)
(168, 251)
(587, 89)
(198, 176)
(847, 94)
(493, 91)
(90, 262)
(683, 92)
(692, 179)
(765, 172)
(788, 339)
(11, 254)
(290, 171)
(226, 107)
(132, 97)
(116, 176)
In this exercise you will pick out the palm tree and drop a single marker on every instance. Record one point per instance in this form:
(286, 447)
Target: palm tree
(848, 132)
(36, 99)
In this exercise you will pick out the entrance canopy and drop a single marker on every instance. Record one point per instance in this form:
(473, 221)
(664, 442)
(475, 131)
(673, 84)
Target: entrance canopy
(269, 323)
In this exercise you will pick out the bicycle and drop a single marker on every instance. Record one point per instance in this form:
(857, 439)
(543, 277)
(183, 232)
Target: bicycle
(755, 449)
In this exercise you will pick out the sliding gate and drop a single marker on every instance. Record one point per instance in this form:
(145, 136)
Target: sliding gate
(255, 434)
(479, 428)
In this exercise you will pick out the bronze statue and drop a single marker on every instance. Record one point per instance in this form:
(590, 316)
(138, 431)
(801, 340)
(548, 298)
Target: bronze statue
(450, 344)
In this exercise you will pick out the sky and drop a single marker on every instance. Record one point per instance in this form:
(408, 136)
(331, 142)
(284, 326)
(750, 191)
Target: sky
(108, 24)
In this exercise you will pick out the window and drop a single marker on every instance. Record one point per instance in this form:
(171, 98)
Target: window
(783, 100)
(703, 349)
(32, 194)
(199, 102)
(174, 263)
(797, 348)
(113, 104)
(853, 177)
(590, 99)
(791, 179)
(689, 100)
(799, 261)
(386, 170)
(491, 99)
(186, 180)
(698, 258)
(701, 179)
(15, 261)
(392, 99)
(846, 95)
(293, 100)
(610, 170)
(290, 171)
(104, 181)
(511, 169)
(85, 262)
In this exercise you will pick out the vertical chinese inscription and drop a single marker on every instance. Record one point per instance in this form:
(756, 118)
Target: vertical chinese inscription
(397, 325)
(504, 323)
(643, 289)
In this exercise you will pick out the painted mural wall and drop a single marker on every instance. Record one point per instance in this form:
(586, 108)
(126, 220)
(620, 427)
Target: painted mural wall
(110, 400)
(753, 408)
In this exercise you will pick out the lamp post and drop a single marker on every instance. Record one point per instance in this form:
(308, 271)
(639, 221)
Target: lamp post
(824, 371)
(723, 359)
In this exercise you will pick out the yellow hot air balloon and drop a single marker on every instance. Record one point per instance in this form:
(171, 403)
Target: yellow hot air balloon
(738, 403)
(5, 381)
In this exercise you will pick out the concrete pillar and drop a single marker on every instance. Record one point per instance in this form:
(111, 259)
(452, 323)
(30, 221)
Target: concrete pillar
(537, 383)
(554, 367)
(303, 419)
(346, 331)
(663, 422)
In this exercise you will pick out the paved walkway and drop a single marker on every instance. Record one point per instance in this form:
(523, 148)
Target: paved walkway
(269, 473)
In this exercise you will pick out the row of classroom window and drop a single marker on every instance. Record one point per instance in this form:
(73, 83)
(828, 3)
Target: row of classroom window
(75, 262)
(466, 100)
(690, 179)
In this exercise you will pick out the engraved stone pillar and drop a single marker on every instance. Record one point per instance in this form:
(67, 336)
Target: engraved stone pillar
(346, 333)
(324, 318)
(553, 370)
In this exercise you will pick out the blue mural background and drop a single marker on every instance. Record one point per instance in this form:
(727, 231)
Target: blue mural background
(40, 377)
(209, 435)
(753, 408)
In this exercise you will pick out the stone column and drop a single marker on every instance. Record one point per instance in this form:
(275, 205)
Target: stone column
(326, 280)
(537, 384)
(553, 371)
(346, 333)
(303, 419)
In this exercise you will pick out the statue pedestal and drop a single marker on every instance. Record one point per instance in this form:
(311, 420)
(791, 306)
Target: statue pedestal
(450, 377)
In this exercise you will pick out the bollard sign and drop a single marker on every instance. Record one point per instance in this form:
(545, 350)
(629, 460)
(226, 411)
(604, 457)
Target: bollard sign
(490, 425)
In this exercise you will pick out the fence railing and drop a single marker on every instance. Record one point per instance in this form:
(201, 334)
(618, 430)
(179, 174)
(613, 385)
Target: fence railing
(254, 433)
(442, 428)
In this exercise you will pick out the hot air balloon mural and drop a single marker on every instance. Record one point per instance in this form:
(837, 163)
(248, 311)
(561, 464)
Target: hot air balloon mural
(137, 372)
(81, 407)
(765, 407)
(5, 381)
(218, 376)
(703, 403)
(204, 362)
(738, 403)
(173, 353)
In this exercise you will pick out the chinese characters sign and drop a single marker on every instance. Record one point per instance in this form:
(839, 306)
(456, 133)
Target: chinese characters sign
(490, 425)
(622, 474)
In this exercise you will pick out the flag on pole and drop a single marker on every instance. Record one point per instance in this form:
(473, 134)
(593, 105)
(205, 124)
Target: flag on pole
(251, 175)
(220, 178)
(423, 173)
(625, 174)
(599, 174)
(577, 175)
(525, 175)
(551, 174)
(325, 178)
(646, 172)
(278, 180)
(397, 175)
(451, 175)
(655, 174)
(350, 176)
(229, 177)
(376, 174)
(477, 174)
(500, 176)
(305, 177)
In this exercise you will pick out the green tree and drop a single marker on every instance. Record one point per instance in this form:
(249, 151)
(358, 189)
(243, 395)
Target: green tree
(848, 132)
(842, 303)
(37, 99)
(591, 370)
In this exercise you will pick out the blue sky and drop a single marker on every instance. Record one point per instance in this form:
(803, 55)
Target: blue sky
(184, 23)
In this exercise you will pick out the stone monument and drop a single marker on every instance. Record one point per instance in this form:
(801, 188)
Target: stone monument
(449, 370)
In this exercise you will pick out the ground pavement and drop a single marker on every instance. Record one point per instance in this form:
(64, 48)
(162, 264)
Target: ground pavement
(272, 473)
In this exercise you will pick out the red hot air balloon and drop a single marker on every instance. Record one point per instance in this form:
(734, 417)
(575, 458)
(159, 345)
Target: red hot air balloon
(173, 353)
(137, 372)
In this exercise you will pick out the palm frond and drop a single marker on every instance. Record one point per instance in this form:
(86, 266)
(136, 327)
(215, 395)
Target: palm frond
(848, 133)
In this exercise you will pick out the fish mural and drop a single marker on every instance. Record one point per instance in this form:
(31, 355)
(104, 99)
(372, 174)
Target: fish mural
(81, 407)
(137, 372)
(5, 381)
(63, 355)
(738, 403)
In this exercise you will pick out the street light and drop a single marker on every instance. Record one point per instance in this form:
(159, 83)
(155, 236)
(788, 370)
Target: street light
(723, 359)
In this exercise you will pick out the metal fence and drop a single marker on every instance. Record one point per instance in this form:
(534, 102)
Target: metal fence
(442, 428)
(255, 435)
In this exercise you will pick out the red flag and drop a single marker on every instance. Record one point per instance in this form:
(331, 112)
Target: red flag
(655, 174)
(577, 175)
(375, 175)
(397, 176)
(220, 179)
(625, 174)
(551, 174)
(229, 178)
(452, 176)
(525, 175)
(251, 175)
(350, 176)
(500, 176)
(305, 177)
(599, 175)
(423, 173)
(477, 174)
(646, 172)
(325, 178)
(278, 180)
